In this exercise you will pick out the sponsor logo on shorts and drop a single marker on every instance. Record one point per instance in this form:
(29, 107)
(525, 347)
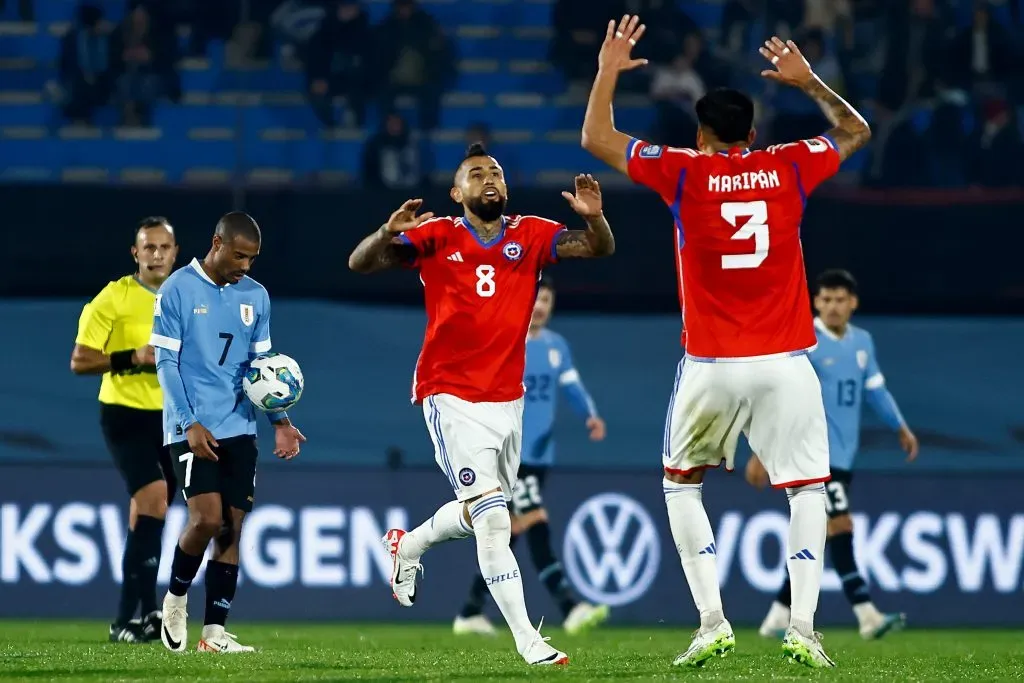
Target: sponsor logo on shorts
(513, 251)
(467, 476)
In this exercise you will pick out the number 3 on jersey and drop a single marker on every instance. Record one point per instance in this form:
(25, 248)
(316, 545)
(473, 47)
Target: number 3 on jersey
(756, 227)
(485, 280)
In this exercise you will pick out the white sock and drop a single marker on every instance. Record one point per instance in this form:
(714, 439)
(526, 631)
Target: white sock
(448, 523)
(807, 526)
(691, 530)
(866, 612)
(498, 565)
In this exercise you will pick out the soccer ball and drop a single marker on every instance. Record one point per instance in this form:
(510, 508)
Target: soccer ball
(273, 382)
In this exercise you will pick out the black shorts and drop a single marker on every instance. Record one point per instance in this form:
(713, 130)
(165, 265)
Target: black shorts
(135, 440)
(528, 494)
(232, 475)
(837, 493)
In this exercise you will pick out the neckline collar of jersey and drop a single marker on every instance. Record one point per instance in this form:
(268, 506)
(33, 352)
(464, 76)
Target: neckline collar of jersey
(725, 152)
(468, 226)
(143, 284)
(198, 267)
(820, 324)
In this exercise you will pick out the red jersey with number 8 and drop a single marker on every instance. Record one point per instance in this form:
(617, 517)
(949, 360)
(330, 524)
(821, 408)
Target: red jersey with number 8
(479, 299)
(739, 262)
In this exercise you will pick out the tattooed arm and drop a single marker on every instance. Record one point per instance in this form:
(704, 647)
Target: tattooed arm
(851, 131)
(597, 240)
(380, 250)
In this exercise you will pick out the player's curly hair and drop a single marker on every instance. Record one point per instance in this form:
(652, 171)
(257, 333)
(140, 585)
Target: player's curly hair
(477, 149)
(836, 278)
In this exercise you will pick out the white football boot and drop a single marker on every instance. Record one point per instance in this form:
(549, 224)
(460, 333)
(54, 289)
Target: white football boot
(174, 630)
(585, 616)
(538, 652)
(775, 622)
(477, 625)
(806, 650)
(403, 572)
(216, 639)
(875, 624)
(715, 642)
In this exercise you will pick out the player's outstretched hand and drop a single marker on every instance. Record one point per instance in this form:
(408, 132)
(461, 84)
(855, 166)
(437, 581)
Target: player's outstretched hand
(201, 441)
(908, 442)
(618, 44)
(287, 441)
(587, 200)
(790, 66)
(406, 219)
(597, 428)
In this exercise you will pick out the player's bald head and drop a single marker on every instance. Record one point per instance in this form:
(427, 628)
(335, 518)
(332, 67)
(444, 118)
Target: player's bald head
(238, 224)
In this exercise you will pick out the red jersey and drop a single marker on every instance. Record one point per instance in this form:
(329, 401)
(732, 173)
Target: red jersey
(739, 262)
(479, 300)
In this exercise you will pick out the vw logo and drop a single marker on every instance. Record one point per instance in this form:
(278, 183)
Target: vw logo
(611, 549)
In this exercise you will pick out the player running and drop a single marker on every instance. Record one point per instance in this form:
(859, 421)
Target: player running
(479, 273)
(548, 366)
(746, 327)
(113, 340)
(210, 319)
(848, 370)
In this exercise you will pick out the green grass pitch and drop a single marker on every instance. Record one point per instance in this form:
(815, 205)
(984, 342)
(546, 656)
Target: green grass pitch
(78, 651)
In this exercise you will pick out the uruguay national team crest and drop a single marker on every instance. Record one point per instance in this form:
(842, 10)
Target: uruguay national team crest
(247, 314)
(554, 357)
(513, 251)
(467, 476)
(862, 359)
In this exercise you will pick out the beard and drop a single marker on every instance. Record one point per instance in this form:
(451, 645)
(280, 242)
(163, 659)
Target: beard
(487, 210)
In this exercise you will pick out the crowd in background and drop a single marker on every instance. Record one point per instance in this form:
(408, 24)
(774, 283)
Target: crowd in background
(941, 87)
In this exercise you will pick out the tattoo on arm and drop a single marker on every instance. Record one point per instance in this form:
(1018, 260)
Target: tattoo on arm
(379, 251)
(596, 241)
(851, 131)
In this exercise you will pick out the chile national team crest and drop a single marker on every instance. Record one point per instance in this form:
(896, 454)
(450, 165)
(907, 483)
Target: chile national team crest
(513, 251)
(467, 476)
(247, 314)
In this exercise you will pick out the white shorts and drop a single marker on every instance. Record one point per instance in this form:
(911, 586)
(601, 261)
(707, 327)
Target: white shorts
(476, 445)
(775, 402)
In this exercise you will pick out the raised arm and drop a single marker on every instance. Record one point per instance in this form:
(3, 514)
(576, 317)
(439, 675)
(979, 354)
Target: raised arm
(597, 240)
(600, 137)
(850, 131)
(385, 248)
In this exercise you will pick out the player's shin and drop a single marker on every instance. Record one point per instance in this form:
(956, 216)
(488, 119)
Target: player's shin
(691, 531)
(221, 582)
(448, 523)
(130, 580)
(184, 568)
(549, 569)
(148, 536)
(807, 525)
(498, 565)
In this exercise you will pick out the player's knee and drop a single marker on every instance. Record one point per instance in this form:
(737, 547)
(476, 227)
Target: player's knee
(207, 522)
(806, 492)
(491, 520)
(151, 500)
(843, 524)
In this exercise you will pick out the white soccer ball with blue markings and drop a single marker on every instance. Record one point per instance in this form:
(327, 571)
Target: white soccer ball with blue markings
(273, 382)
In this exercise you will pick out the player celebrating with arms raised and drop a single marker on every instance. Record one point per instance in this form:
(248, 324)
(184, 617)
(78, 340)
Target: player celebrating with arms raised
(210, 319)
(849, 373)
(746, 327)
(479, 273)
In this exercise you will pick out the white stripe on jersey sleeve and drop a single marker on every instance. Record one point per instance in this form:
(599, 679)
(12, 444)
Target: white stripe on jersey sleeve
(569, 377)
(876, 381)
(260, 346)
(163, 342)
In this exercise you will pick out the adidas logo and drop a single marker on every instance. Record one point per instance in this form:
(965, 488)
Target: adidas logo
(710, 550)
(804, 554)
(456, 256)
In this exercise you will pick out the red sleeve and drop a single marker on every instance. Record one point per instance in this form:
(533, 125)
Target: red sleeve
(659, 168)
(548, 233)
(816, 160)
(424, 239)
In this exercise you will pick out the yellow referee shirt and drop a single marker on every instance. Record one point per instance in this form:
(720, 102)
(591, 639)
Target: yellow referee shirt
(118, 319)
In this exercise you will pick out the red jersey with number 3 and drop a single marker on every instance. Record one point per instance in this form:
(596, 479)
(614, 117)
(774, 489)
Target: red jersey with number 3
(479, 299)
(740, 265)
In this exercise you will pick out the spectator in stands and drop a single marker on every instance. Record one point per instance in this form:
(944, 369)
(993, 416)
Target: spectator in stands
(85, 69)
(337, 62)
(997, 147)
(675, 89)
(914, 52)
(144, 57)
(391, 158)
(413, 58)
(981, 54)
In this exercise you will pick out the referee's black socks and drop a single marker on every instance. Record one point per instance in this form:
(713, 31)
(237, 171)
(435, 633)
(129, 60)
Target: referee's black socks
(221, 581)
(148, 535)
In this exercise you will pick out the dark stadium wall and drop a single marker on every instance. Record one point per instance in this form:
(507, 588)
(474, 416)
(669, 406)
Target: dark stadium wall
(911, 255)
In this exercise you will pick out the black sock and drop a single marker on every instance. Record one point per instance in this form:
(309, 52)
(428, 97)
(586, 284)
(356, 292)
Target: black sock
(478, 592)
(221, 581)
(183, 570)
(841, 548)
(549, 569)
(785, 596)
(149, 532)
(129, 580)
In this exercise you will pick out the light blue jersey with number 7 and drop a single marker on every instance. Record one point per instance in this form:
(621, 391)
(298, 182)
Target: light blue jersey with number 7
(204, 335)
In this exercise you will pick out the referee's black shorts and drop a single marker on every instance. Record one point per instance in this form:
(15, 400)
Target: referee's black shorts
(135, 440)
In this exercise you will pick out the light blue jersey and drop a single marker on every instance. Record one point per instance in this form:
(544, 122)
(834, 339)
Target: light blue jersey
(549, 367)
(204, 336)
(848, 370)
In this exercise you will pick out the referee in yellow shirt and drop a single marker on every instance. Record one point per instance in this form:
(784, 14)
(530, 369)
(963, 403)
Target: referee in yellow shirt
(113, 340)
